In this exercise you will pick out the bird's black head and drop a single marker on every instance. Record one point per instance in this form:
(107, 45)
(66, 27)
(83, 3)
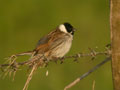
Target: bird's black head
(69, 28)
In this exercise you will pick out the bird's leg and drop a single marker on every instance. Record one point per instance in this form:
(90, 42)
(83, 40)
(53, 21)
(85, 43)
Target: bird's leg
(62, 60)
(55, 59)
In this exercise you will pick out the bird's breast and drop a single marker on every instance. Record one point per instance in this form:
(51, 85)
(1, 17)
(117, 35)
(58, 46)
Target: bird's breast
(61, 49)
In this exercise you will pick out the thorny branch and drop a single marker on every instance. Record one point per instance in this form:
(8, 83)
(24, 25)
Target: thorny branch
(41, 61)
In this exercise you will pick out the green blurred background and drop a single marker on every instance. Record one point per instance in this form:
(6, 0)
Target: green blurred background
(23, 22)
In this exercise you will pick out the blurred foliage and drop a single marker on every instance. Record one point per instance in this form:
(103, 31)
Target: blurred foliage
(23, 22)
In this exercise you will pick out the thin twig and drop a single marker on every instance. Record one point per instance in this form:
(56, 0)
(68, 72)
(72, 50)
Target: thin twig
(29, 53)
(76, 56)
(30, 77)
(87, 73)
(93, 86)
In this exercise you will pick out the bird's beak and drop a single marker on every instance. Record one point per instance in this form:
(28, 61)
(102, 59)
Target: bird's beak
(74, 29)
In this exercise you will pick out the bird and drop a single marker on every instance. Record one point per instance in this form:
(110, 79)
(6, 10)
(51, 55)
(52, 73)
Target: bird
(52, 46)
(57, 43)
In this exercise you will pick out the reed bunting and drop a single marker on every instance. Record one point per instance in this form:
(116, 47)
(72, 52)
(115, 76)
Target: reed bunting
(57, 43)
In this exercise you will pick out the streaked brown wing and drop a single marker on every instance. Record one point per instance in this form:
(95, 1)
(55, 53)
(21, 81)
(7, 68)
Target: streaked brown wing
(50, 41)
(42, 45)
(43, 40)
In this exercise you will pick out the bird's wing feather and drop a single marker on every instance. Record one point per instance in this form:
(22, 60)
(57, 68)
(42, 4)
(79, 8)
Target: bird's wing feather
(43, 40)
(50, 41)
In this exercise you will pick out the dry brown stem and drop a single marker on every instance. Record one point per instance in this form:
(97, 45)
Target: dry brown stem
(93, 86)
(30, 77)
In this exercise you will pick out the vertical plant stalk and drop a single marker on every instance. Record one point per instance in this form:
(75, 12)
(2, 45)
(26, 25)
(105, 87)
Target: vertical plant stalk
(30, 77)
(115, 39)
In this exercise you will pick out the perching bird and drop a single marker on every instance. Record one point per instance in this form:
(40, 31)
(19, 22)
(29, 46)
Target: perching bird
(52, 46)
(57, 43)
